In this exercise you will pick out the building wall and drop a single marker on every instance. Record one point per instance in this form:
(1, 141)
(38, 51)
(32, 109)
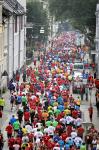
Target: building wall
(10, 46)
(1, 49)
(12, 43)
(19, 46)
(97, 39)
(1, 41)
(22, 48)
(23, 3)
(23, 36)
(16, 42)
(2, 57)
(16, 49)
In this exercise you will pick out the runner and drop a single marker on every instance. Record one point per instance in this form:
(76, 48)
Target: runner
(48, 115)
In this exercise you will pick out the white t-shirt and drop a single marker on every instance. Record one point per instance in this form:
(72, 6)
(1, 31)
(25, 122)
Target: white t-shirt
(34, 130)
(14, 84)
(97, 146)
(37, 140)
(94, 141)
(73, 134)
(29, 128)
(25, 139)
(55, 107)
(33, 97)
(46, 130)
(69, 119)
(78, 121)
(16, 146)
(38, 134)
(68, 139)
(51, 128)
(78, 140)
(63, 120)
(56, 148)
(50, 131)
(39, 125)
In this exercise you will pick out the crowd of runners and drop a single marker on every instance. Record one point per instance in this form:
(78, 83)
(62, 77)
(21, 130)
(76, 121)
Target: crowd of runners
(47, 116)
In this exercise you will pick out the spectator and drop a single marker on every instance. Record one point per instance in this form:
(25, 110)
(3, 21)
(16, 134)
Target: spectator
(90, 109)
(1, 141)
(2, 103)
(97, 105)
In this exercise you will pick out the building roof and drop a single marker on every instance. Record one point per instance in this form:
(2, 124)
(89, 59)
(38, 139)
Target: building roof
(13, 6)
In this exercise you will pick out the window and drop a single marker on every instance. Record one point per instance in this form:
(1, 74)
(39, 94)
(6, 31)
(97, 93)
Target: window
(96, 45)
(97, 20)
(21, 22)
(2, 67)
(15, 23)
(1, 45)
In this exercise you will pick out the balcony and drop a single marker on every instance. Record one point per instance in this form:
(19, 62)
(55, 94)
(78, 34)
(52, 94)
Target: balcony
(13, 6)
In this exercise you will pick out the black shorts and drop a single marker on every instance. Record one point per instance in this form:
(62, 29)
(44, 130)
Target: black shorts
(16, 130)
(91, 116)
(18, 103)
(9, 135)
(11, 102)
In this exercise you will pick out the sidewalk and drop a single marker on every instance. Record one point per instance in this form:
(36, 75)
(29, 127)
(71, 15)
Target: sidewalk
(85, 104)
(7, 110)
(7, 113)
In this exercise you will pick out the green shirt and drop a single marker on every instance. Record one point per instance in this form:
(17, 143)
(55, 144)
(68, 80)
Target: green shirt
(55, 123)
(57, 112)
(36, 72)
(83, 147)
(50, 112)
(24, 99)
(2, 102)
(48, 123)
(16, 125)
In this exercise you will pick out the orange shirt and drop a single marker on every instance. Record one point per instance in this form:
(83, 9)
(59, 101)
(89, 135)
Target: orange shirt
(45, 115)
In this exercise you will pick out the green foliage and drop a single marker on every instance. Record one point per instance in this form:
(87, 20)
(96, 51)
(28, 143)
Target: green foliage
(81, 14)
(38, 17)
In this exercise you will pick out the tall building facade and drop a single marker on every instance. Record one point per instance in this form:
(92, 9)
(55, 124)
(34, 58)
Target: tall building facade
(14, 24)
(97, 40)
(3, 56)
(12, 36)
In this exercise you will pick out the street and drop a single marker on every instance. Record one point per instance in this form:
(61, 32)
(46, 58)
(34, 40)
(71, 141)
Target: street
(49, 75)
(84, 108)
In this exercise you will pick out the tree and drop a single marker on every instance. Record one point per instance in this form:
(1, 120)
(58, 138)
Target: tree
(37, 16)
(81, 14)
